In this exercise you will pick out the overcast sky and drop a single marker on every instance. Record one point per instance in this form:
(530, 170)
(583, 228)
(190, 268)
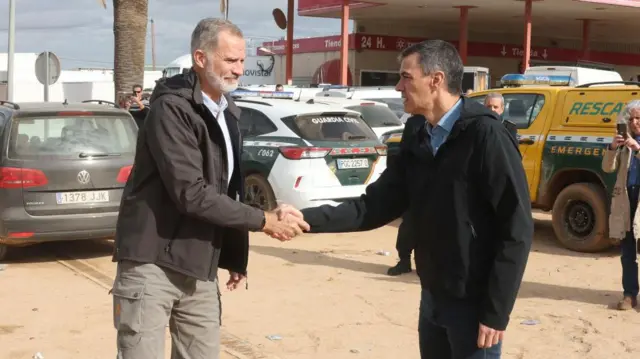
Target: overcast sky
(80, 32)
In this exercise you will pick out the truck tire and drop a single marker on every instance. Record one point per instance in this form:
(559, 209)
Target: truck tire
(258, 193)
(580, 218)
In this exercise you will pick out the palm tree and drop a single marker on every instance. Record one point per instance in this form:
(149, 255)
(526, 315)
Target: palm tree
(130, 31)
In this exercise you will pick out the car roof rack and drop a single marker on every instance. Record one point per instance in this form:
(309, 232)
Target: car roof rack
(100, 102)
(13, 104)
(609, 83)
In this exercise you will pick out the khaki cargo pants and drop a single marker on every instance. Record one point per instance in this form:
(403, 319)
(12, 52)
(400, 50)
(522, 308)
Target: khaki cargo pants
(147, 297)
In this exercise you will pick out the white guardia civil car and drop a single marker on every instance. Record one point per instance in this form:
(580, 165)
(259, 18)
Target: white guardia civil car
(305, 154)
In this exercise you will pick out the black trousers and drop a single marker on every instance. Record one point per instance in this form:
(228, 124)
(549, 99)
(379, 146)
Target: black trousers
(405, 243)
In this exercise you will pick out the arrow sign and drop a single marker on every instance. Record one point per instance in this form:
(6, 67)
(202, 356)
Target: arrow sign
(504, 50)
(544, 54)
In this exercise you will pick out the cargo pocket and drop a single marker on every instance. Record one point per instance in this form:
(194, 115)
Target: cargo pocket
(127, 310)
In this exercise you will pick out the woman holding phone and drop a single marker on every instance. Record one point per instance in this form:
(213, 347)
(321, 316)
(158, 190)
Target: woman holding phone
(623, 156)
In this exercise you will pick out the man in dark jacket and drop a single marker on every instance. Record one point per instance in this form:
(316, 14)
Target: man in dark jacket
(460, 180)
(181, 215)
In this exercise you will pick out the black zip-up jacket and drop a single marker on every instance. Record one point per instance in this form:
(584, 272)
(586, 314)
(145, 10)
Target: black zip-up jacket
(177, 210)
(469, 209)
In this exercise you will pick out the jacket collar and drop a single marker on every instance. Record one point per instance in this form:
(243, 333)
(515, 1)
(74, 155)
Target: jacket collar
(197, 98)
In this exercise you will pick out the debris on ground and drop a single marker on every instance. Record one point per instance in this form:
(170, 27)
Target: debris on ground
(530, 322)
(383, 253)
(274, 337)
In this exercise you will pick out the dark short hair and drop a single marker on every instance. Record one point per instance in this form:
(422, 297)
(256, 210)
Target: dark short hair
(439, 55)
(279, 85)
(136, 86)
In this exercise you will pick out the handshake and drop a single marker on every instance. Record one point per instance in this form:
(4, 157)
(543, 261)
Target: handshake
(284, 223)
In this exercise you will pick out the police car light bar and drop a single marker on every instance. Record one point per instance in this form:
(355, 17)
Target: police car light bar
(262, 94)
(549, 80)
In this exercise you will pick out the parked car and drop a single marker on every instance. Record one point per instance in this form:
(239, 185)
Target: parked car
(63, 167)
(304, 154)
(377, 115)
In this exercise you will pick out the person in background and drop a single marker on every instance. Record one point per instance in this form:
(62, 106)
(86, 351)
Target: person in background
(623, 156)
(138, 109)
(405, 240)
(181, 213)
(460, 178)
(404, 246)
(279, 88)
(495, 102)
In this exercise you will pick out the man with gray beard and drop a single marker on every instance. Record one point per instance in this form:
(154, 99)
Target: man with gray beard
(181, 214)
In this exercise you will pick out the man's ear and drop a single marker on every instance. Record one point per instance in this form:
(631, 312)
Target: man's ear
(199, 58)
(437, 79)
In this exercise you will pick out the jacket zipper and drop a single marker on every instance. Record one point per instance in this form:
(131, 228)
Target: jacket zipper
(167, 248)
(473, 230)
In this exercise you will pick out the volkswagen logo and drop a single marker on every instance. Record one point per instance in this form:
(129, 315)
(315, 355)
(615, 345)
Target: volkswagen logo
(83, 177)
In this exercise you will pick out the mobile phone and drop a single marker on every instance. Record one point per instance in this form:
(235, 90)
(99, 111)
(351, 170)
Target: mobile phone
(622, 130)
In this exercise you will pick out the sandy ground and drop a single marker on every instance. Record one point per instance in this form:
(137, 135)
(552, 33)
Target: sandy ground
(322, 296)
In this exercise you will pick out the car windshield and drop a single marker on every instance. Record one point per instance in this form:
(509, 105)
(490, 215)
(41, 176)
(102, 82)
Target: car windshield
(330, 127)
(396, 104)
(72, 137)
(377, 116)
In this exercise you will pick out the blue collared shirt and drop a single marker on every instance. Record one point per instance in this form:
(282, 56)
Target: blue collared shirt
(217, 110)
(438, 135)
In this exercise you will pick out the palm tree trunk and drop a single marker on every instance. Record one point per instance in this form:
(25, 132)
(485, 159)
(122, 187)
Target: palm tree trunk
(129, 30)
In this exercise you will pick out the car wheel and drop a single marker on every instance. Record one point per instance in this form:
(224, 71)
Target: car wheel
(258, 193)
(580, 218)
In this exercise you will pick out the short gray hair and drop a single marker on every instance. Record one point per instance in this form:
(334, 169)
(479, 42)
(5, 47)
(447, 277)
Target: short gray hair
(205, 35)
(625, 115)
(439, 55)
(492, 95)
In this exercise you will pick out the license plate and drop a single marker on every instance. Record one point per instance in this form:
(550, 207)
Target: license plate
(82, 197)
(345, 164)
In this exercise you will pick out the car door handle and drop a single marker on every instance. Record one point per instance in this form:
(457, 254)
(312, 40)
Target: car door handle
(526, 141)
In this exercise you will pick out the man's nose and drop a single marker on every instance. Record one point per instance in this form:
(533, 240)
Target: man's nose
(238, 69)
(399, 86)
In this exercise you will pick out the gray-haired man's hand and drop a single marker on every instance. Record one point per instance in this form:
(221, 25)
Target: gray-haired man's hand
(284, 223)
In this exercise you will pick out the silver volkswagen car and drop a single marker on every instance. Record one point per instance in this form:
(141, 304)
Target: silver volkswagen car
(63, 167)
